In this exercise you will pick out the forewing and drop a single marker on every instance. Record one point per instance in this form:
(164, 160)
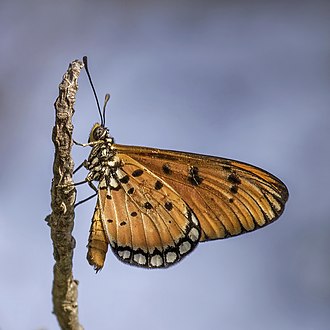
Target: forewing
(228, 197)
(146, 222)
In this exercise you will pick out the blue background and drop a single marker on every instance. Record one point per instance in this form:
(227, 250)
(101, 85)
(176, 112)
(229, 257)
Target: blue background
(247, 80)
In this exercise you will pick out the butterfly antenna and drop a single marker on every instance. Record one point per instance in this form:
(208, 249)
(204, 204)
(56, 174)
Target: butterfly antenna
(95, 95)
(106, 100)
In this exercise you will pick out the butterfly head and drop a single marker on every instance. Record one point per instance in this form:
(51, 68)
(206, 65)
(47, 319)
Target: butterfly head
(99, 132)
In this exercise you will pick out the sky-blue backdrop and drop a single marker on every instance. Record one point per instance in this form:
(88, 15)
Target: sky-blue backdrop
(247, 80)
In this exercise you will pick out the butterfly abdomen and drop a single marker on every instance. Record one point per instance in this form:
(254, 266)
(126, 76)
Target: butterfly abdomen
(97, 242)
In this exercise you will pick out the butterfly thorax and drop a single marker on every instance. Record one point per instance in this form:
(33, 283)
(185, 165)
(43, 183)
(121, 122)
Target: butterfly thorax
(102, 162)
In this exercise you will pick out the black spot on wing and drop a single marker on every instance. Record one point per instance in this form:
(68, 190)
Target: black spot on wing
(168, 206)
(137, 172)
(130, 190)
(234, 189)
(233, 178)
(194, 177)
(226, 168)
(148, 206)
(158, 185)
(167, 169)
(124, 179)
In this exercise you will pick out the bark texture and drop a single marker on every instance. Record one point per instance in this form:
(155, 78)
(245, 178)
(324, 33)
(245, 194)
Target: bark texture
(63, 194)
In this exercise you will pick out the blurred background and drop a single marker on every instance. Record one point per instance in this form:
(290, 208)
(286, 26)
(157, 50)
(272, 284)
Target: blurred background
(247, 80)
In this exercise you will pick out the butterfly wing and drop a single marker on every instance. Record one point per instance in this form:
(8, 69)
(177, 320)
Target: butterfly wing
(228, 197)
(145, 221)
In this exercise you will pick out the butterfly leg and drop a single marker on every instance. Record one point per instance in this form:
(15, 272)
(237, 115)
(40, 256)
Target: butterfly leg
(90, 197)
(85, 200)
(83, 164)
(80, 144)
(90, 183)
(89, 144)
(77, 183)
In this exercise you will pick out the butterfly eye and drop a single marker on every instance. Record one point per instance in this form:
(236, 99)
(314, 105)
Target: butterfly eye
(98, 132)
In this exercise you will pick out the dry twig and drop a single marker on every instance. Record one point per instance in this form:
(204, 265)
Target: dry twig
(63, 193)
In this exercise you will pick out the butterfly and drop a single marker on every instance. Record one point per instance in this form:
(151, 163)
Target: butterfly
(154, 206)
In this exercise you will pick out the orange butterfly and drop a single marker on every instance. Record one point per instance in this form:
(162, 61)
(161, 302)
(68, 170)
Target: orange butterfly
(154, 206)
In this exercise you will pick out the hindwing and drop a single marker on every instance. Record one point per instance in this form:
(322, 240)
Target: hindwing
(144, 219)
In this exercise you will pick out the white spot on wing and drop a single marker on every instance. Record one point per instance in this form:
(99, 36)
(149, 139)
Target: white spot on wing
(193, 234)
(109, 192)
(184, 247)
(124, 254)
(120, 173)
(156, 260)
(171, 257)
(113, 182)
(194, 219)
(190, 215)
(140, 259)
(103, 184)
